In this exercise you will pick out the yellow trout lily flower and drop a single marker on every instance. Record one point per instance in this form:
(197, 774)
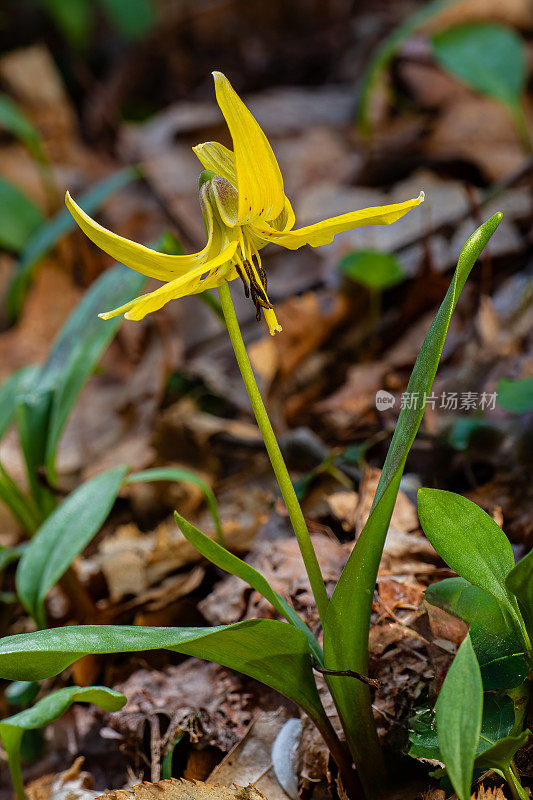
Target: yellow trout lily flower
(244, 208)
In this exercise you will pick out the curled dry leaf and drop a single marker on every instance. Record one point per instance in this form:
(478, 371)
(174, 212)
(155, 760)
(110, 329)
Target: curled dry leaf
(251, 760)
(173, 789)
(489, 793)
(73, 784)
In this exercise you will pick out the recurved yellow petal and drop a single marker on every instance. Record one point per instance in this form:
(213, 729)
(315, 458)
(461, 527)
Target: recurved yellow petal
(136, 256)
(259, 178)
(191, 283)
(219, 159)
(323, 232)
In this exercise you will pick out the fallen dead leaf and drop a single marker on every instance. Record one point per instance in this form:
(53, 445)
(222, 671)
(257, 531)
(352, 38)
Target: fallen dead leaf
(517, 13)
(250, 761)
(404, 517)
(173, 789)
(133, 560)
(73, 784)
(489, 793)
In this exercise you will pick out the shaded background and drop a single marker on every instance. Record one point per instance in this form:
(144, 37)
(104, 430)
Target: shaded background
(120, 83)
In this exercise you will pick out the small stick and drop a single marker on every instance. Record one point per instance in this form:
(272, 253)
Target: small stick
(346, 673)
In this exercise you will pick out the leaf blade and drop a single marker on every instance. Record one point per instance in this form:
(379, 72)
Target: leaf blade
(458, 715)
(519, 581)
(47, 710)
(495, 636)
(469, 540)
(270, 651)
(55, 545)
(488, 57)
(56, 227)
(349, 610)
(225, 560)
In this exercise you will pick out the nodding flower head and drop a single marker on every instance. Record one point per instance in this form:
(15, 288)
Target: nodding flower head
(244, 208)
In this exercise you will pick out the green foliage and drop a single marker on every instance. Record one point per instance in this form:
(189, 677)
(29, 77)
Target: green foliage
(275, 653)
(78, 347)
(492, 60)
(225, 560)
(48, 234)
(485, 596)
(466, 430)
(16, 384)
(45, 711)
(21, 693)
(181, 475)
(519, 581)
(132, 18)
(75, 18)
(43, 397)
(385, 53)
(489, 58)
(516, 396)
(458, 714)
(470, 542)
(348, 615)
(15, 122)
(22, 507)
(64, 534)
(19, 217)
(495, 635)
(496, 724)
(372, 268)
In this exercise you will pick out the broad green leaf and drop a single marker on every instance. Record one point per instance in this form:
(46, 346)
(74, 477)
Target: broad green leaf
(520, 582)
(19, 217)
(469, 541)
(516, 396)
(500, 755)
(56, 227)
(372, 268)
(225, 560)
(45, 711)
(385, 53)
(496, 638)
(458, 715)
(65, 533)
(497, 722)
(348, 615)
(133, 18)
(80, 343)
(273, 652)
(180, 475)
(489, 58)
(16, 384)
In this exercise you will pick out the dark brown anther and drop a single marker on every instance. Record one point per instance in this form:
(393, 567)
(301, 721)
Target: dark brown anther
(255, 287)
(240, 273)
(263, 276)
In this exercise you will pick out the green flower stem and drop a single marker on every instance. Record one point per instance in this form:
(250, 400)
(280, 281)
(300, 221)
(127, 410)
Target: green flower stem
(274, 453)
